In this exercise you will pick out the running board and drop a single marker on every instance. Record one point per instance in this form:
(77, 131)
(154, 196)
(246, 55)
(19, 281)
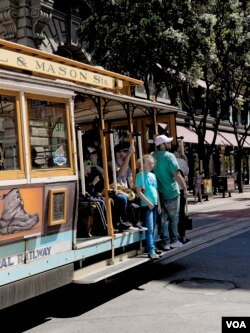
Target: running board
(106, 272)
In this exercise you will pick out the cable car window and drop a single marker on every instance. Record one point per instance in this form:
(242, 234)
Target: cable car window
(48, 134)
(9, 150)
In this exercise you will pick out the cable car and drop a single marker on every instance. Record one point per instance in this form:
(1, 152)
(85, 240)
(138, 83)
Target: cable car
(51, 109)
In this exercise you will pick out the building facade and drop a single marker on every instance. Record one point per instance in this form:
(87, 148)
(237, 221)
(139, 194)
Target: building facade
(48, 25)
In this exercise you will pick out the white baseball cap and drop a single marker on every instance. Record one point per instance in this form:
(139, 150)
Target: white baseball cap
(160, 139)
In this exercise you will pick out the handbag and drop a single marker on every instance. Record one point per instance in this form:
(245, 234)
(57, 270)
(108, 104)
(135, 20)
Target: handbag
(188, 220)
(120, 189)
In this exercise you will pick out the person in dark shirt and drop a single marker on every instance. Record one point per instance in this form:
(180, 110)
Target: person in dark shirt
(96, 175)
(89, 184)
(91, 187)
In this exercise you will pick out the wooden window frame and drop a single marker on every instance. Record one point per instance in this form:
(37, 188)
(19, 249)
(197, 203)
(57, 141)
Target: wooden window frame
(60, 171)
(18, 173)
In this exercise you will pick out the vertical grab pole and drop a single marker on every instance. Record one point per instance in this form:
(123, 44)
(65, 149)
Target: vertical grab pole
(141, 159)
(82, 177)
(105, 169)
(155, 121)
(131, 139)
(111, 141)
(139, 145)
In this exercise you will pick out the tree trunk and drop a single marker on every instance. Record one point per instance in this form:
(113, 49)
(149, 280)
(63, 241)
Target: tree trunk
(204, 156)
(206, 163)
(238, 169)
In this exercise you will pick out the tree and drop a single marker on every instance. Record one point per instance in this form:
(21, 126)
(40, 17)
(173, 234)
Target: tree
(233, 45)
(131, 37)
(195, 61)
(190, 40)
(177, 35)
(218, 53)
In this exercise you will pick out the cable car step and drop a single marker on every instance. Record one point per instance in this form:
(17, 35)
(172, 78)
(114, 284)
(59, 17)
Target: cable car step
(106, 272)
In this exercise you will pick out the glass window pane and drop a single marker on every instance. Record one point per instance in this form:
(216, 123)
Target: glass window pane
(48, 134)
(9, 150)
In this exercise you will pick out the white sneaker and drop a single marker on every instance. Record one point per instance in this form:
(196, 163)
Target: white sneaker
(175, 245)
(130, 229)
(165, 247)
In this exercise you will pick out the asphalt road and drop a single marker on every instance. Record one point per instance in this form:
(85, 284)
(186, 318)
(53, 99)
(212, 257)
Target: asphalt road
(189, 295)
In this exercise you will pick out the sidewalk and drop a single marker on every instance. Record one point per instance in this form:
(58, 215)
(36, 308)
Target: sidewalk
(234, 202)
(246, 191)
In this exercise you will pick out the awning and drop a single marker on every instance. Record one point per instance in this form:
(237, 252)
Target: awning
(188, 135)
(230, 137)
(247, 142)
(220, 140)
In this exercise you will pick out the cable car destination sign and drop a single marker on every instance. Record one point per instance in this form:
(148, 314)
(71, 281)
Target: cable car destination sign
(51, 68)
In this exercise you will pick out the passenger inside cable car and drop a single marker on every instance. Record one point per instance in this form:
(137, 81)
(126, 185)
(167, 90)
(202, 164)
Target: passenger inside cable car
(126, 208)
(123, 152)
(96, 175)
(92, 218)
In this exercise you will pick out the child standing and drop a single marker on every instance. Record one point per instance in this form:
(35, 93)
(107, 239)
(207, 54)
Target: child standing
(146, 189)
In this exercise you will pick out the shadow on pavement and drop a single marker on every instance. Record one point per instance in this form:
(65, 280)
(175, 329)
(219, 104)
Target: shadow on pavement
(74, 300)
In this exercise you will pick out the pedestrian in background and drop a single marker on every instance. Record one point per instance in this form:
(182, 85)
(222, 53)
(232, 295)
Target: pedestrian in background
(198, 181)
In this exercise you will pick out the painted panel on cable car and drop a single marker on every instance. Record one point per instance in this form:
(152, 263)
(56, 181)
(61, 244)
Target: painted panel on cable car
(39, 248)
(21, 211)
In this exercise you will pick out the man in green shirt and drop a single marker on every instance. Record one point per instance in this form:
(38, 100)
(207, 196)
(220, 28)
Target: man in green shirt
(168, 176)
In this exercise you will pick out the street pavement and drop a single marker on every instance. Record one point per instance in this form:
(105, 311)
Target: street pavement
(189, 295)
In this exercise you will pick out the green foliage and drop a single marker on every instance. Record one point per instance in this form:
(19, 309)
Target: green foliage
(191, 40)
(197, 38)
(131, 36)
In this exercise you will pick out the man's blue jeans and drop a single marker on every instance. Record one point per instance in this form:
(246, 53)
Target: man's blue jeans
(120, 208)
(149, 217)
(169, 220)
